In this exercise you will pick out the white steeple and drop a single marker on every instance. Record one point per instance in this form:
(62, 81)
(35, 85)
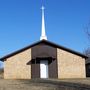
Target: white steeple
(43, 33)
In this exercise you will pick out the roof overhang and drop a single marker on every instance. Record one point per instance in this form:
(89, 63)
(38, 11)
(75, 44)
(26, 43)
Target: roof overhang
(43, 41)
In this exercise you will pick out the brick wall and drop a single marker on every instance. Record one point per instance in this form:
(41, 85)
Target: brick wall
(16, 67)
(70, 65)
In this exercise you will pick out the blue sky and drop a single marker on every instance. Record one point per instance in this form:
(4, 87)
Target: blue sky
(66, 20)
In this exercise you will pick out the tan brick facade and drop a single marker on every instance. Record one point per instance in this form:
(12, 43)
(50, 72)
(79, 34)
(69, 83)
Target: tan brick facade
(16, 67)
(70, 65)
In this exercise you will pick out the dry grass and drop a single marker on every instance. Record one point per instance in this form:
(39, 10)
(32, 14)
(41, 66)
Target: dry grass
(38, 84)
(78, 81)
(41, 84)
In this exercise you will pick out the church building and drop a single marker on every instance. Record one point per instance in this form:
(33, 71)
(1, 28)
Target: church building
(44, 59)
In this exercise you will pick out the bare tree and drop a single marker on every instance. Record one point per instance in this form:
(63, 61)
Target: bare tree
(87, 30)
(87, 51)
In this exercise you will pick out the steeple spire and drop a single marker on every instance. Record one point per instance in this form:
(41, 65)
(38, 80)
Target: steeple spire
(43, 33)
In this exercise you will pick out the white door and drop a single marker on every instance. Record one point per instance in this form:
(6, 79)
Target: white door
(43, 69)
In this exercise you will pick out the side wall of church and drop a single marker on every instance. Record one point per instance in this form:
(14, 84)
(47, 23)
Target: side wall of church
(70, 65)
(17, 67)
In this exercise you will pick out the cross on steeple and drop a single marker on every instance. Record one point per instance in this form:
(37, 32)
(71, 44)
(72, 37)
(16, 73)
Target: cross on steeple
(43, 33)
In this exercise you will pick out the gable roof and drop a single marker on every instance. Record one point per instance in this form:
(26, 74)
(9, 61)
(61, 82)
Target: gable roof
(47, 42)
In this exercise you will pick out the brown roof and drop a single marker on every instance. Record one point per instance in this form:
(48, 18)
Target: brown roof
(47, 42)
